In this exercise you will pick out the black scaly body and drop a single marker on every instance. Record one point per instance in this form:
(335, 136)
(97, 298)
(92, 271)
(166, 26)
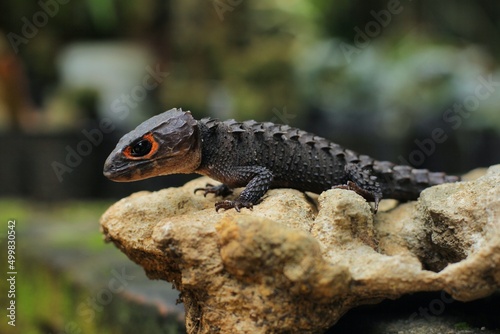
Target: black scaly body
(260, 156)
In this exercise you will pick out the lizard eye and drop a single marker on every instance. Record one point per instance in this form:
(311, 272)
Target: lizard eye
(141, 148)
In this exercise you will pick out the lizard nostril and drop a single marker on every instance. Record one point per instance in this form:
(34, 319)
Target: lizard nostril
(108, 169)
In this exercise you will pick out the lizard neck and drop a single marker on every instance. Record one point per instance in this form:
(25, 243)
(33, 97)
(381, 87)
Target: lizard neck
(213, 149)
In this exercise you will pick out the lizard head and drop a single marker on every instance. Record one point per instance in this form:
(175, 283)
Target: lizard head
(168, 143)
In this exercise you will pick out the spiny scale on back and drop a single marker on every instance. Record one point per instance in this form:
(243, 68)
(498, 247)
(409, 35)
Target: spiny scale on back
(259, 156)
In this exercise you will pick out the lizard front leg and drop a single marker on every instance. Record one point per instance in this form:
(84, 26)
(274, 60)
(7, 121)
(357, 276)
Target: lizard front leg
(257, 179)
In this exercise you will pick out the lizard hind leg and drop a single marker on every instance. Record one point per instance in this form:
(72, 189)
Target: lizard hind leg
(362, 182)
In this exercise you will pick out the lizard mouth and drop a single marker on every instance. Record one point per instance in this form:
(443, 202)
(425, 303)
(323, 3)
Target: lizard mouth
(126, 172)
(113, 172)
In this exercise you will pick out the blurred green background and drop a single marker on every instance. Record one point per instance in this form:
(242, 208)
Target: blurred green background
(414, 82)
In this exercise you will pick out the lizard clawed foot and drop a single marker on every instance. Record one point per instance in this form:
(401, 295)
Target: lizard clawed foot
(237, 205)
(368, 195)
(219, 190)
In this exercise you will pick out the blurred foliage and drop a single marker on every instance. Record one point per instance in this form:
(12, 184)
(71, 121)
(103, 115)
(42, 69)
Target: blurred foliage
(62, 263)
(239, 58)
(72, 213)
(414, 79)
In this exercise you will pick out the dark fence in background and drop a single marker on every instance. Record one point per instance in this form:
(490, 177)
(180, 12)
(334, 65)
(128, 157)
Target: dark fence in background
(27, 170)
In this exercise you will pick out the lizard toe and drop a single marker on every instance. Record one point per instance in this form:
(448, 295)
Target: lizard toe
(237, 205)
(373, 196)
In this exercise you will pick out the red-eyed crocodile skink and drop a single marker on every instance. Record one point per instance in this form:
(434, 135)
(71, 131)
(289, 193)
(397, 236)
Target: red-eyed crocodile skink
(257, 156)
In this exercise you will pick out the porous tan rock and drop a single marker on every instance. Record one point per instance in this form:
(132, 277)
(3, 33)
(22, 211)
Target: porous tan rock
(296, 265)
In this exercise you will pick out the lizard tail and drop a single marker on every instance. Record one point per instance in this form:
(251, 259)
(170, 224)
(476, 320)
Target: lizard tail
(404, 182)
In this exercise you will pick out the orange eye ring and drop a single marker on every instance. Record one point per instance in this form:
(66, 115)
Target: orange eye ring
(142, 149)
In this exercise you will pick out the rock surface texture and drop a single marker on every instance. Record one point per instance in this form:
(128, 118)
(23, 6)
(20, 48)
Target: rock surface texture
(296, 264)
